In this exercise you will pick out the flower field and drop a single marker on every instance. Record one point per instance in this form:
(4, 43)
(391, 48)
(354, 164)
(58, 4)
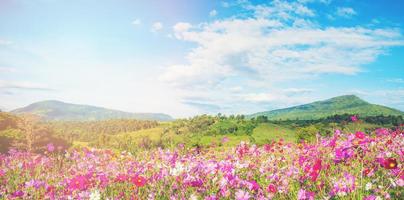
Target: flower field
(343, 166)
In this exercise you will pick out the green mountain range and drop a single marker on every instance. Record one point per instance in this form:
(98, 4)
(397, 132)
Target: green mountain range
(60, 111)
(347, 104)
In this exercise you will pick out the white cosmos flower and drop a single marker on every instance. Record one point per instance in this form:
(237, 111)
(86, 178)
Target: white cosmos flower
(177, 170)
(95, 195)
(368, 186)
(193, 197)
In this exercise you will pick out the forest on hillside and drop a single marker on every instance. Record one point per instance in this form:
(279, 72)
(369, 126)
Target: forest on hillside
(29, 132)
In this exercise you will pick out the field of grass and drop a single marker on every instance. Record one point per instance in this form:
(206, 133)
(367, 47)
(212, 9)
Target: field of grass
(266, 132)
(262, 134)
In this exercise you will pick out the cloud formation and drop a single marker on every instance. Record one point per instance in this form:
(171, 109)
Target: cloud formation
(157, 26)
(136, 22)
(212, 13)
(7, 69)
(346, 12)
(23, 85)
(278, 41)
(5, 42)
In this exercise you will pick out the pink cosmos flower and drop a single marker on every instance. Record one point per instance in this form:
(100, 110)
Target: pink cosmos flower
(360, 135)
(17, 194)
(139, 181)
(354, 118)
(382, 132)
(315, 170)
(344, 185)
(242, 195)
(305, 195)
(121, 178)
(78, 183)
(271, 188)
(370, 197)
(50, 147)
(400, 182)
(196, 183)
(181, 145)
(390, 163)
(225, 139)
(211, 197)
(254, 185)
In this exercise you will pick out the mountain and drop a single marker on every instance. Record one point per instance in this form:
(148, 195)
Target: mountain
(349, 104)
(61, 111)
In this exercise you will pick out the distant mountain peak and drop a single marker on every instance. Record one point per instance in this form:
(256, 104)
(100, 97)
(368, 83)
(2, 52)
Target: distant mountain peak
(345, 104)
(62, 111)
(349, 97)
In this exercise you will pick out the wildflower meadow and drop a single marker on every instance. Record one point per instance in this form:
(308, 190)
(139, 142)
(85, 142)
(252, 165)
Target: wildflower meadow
(345, 165)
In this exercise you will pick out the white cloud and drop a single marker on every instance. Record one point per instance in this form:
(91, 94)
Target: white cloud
(312, 1)
(23, 85)
(293, 91)
(279, 98)
(225, 4)
(212, 13)
(392, 97)
(279, 42)
(7, 69)
(157, 26)
(346, 12)
(5, 42)
(181, 27)
(137, 22)
(396, 80)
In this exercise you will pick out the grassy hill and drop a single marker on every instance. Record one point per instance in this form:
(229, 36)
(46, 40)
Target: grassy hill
(349, 104)
(61, 111)
(155, 137)
(266, 132)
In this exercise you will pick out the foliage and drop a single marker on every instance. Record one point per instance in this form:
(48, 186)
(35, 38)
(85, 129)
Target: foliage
(25, 132)
(214, 125)
(381, 120)
(307, 133)
(87, 131)
(348, 104)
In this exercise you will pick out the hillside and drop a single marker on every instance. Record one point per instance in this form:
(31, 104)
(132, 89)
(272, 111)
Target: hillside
(349, 104)
(56, 110)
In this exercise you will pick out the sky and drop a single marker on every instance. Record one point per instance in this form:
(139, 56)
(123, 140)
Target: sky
(189, 57)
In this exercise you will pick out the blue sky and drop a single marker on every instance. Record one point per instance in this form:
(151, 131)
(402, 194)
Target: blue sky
(187, 57)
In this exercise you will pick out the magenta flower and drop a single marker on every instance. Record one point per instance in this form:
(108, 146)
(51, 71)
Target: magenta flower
(344, 185)
(370, 197)
(354, 118)
(315, 170)
(122, 178)
(305, 195)
(211, 197)
(390, 163)
(50, 147)
(139, 181)
(78, 183)
(254, 185)
(360, 135)
(225, 139)
(271, 188)
(17, 194)
(196, 183)
(382, 132)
